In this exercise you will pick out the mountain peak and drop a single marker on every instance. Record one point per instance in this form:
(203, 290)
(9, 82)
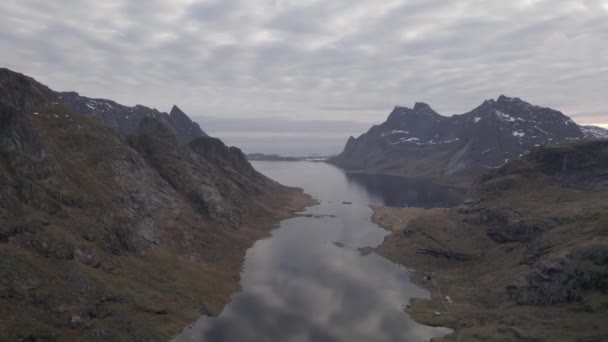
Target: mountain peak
(187, 129)
(504, 98)
(421, 106)
(126, 120)
(175, 110)
(466, 144)
(424, 108)
(21, 92)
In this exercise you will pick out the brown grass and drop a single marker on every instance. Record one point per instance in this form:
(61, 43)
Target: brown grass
(481, 309)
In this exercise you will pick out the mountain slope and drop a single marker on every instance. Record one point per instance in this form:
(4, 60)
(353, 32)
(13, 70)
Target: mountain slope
(419, 142)
(594, 132)
(103, 238)
(524, 258)
(217, 179)
(126, 120)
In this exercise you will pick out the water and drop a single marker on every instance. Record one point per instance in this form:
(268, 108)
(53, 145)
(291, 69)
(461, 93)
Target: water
(299, 286)
(396, 191)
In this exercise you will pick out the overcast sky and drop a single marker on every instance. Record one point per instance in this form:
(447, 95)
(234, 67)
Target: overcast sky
(349, 61)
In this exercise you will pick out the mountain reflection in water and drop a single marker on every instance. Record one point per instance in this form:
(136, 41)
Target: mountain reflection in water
(394, 191)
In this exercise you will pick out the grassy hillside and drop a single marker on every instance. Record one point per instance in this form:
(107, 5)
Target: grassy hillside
(524, 258)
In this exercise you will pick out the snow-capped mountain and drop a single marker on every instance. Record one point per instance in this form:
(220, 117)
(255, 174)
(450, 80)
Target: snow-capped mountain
(126, 120)
(419, 142)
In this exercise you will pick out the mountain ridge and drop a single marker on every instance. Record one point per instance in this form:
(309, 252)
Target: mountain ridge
(107, 238)
(419, 142)
(125, 120)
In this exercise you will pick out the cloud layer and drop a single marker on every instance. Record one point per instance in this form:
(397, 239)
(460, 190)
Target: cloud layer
(315, 59)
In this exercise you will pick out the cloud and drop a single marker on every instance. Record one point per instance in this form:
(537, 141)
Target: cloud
(306, 59)
(283, 136)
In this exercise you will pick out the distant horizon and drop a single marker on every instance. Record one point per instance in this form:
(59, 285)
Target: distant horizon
(303, 137)
(296, 142)
(345, 61)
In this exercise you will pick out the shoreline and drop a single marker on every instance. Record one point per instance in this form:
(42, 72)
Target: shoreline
(468, 295)
(460, 183)
(252, 230)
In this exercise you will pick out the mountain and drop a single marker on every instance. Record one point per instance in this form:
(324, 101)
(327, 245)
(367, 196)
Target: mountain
(594, 132)
(523, 258)
(104, 238)
(418, 142)
(126, 120)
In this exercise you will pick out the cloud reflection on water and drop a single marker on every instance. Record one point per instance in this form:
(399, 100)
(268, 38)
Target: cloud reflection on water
(299, 286)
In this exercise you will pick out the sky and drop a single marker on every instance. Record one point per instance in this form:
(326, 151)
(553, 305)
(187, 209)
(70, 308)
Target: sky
(299, 77)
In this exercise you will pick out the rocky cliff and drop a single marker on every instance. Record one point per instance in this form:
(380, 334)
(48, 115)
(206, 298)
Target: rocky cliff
(418, 142)
(110, 238)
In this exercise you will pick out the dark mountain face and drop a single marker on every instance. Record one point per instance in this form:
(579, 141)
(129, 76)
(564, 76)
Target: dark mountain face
(186, 130)
(22, 92)
(420, 142)
(126, 120)
(218, 180)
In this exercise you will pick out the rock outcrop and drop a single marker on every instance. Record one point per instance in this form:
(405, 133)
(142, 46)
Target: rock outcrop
(217, 179)
(418, 142)
(558, 281)
(572, 177)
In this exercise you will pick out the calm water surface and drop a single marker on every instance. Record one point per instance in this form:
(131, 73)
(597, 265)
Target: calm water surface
(299, 286)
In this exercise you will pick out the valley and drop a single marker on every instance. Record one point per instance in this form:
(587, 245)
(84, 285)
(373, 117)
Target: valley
(126, 223)
(317, 171)
(309, 280)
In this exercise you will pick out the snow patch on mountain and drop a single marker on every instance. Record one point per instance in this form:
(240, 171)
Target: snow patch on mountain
(594, 132)
(503, 116)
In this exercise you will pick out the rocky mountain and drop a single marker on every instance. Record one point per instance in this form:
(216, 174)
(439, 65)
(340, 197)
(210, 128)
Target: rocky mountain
(104, 238)
(126, 120)
(419, 142)
(523, 258)
(594, 132)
